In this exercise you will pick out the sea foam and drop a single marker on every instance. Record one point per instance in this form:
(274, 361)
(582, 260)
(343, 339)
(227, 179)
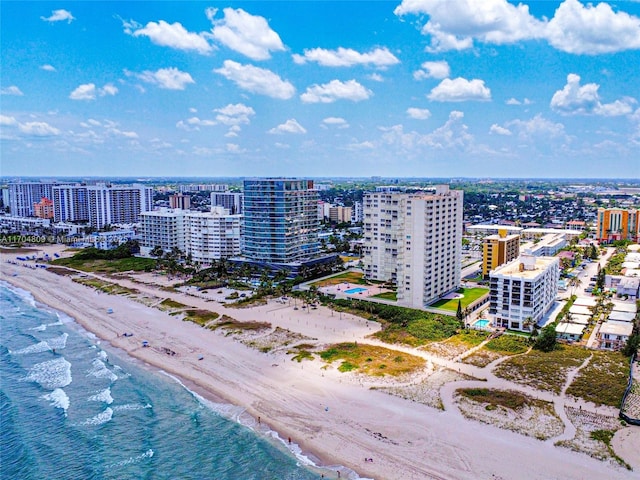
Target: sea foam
(131, 460)
(100, 418)
(102, 396)
(57, 343)
(100, 370)
(51, 374)
(58, 399)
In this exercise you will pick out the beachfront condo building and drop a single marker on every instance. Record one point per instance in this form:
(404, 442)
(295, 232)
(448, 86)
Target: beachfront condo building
(43, 209)
(414, 241)
(164, 228)
(213, 235)
(618, 224)
(280, 220)
(232, 201)
(498, 250)
(522, 291)
(180, 200)
(70, 203)
(23, 196)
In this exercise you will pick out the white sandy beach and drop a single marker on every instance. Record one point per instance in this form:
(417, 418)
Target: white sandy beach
(326, 412)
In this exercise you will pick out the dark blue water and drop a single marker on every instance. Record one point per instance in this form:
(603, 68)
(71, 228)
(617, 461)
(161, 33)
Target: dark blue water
(86, 412)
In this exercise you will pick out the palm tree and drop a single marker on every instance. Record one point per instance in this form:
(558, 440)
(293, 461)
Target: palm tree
(574, 282)
(528, 322)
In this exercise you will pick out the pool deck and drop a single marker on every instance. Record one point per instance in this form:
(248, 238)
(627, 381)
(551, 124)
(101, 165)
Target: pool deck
(341, 288)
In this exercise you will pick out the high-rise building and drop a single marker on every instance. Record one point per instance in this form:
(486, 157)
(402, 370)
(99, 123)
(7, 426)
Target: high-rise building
(70, 203)
(213, 235)
(22, 196)
(522, 291)
(618, 224)
(340, 214)
(43, 209)
(415, 241)
(232, 201)
(280, 220)
(180, 201)
(163, 228)
(356, 213)
(117, 204)
(498, 250)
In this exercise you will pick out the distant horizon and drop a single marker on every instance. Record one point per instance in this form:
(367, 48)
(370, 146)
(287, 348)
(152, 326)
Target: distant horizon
(400, 89)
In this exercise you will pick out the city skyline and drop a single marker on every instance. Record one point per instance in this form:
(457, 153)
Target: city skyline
(419, 88)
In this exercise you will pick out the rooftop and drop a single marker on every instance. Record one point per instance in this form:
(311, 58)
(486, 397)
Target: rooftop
(613, 327)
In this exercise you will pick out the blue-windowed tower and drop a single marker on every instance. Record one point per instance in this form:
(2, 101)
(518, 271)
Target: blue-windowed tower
(280, 220)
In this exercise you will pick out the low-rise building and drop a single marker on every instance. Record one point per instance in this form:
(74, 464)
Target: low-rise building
(614, 335)
(570, 331)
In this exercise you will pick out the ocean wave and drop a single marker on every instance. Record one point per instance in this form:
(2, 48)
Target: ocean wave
(100, 418)
(131, 406)
(51, 374)
(23, 294)
(148, 454)
(58, 399)
(53, 343)
(102, 355)
(102, 396)
(100, 370)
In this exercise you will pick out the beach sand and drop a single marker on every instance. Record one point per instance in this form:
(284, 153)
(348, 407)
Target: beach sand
(327, 413)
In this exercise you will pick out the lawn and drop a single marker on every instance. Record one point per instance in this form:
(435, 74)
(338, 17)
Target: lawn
(371, 360)
(136, 264)
(386, 296)
(351, 277)
(470, 296)
(603, 380)
(508, 344)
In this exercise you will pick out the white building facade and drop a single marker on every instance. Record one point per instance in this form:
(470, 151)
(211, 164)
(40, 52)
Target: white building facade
(213, 235)
(522, 291)
(415, 241)
(164, 228)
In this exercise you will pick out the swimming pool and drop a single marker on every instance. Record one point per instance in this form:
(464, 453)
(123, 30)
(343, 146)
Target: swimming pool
(481, 323)
(355, 290)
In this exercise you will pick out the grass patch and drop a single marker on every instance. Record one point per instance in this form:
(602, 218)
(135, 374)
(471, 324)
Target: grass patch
(603, 380)
(301, 352)
(471, 338)
(106, 287)
(136, 264)
(543, 370)
(351, 277)
(236, 326)
(201, 317)
(62, 271)
(168, 304)
(508, 344)
(470, 296)
(393, 296)
(504, 398)
(371, 360)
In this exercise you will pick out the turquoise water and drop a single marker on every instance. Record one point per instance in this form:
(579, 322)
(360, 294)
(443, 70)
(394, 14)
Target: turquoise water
(481, 323)
(87, 411)
(355, 290)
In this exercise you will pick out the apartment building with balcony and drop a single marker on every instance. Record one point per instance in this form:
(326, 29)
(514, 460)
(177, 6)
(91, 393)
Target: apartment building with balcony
(24, 195)
(498, 250)
(213, 235)
(618, 224)
(117, 204)
(522, 291)
(43, 209)
(164, 228)
(232, 201)
(415, 241)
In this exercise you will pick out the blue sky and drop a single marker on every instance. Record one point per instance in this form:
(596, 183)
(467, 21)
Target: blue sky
(413, 88)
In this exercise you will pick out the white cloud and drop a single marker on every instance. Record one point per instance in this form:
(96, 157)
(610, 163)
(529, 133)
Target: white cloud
(167, 78)
(460, 90)
(336, 121)
(515, 101)
(256, 80)
(347, 57)
(574, 28)
(234, 148)
(245, 33)
(234, 114)
(12, 90)
(7, 121)
(538, 127)
(336, 90)
(48, 68)
(432, 70)
(376, 77)
(38, 129)
(418, 113)
(59, 16)
(584, 99)
(88, 91)
(589, 29)
(498, 130)
(172, 35)
(290, 126)
(454, 24)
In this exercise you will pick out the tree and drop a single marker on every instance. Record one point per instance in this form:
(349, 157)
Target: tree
(574, 282)
(593, 252)
(528, 323)
(459, 314)
(156, 251)
(600, 278)
(546, 341)
(632, 345)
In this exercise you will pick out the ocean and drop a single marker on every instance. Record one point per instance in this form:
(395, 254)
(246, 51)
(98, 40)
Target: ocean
(74, 408)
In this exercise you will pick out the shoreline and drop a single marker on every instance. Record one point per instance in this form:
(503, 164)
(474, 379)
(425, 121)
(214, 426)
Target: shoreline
(309, 459)
(325, 412)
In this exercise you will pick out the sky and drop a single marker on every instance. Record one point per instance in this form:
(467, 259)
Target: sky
(411, 88)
